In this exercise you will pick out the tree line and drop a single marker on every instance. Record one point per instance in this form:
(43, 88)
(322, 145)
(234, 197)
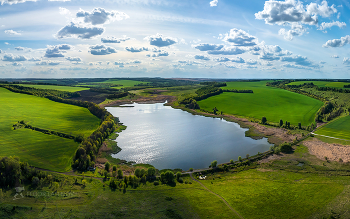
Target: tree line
(237, 91)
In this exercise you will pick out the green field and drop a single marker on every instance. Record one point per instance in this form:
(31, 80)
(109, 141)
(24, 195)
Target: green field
(322, 83)
(273, 103)
(340, 128)
(42, 150)
(54, 87)
(111, 82)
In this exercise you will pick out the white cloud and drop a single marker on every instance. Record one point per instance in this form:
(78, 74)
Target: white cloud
(56, 51)
(12, 32)
(207, 46)
(337, 42)
(101, 16)
(346, 61)
(34, 59)
(102, 50)
(227, 51)
(12, 58)
(238, 37)
(136, 49)
(299, 60)
(79, 31)
(74, 59)
(64, 11)
(325, 25)
(19, 48)
(335, 56)
(49, 62)
(202, 57)
(160, 41)
(296, 30)
(214, 3)
(112, 39)
(17, 64)
(10, 2)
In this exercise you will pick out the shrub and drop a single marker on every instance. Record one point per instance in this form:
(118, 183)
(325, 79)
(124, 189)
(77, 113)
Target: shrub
(285, 147)
(178, 175)
(214, 163)
(231, 161)
(137, 173)
(107, 166)
(114, 168)
(191, 169)
(263, 120)
(151, 171)
(240, 158)
(156, 183)
(180, 180)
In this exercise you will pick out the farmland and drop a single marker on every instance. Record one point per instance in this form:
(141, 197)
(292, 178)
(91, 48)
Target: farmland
(273, 103)
(322, 83)
(339, 128)
(114, 82)
(42, 150)
(54, 87)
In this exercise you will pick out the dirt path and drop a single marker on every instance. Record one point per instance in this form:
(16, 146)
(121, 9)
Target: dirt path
(234, 211)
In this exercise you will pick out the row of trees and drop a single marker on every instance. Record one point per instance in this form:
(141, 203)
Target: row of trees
(238, 91)
(40, 92)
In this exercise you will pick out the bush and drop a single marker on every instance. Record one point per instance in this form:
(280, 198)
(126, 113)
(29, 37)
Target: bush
(151, 171)
(240, 159)
(180, 180)
(35, 181)
(107, 166)
(191, 169)
(285, 147)
(178, 175)
(214, 163)
(156, 183)
(263, 120)
(231, 161)
(114, 168)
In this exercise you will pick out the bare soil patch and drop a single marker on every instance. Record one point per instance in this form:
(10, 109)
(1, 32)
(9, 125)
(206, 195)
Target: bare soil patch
(270, 158)
(332, 151)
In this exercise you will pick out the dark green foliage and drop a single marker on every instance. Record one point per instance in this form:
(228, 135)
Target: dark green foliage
(114, 168)
(120, 174)
(178, 175)
(192, 104)
(263, 120)
(214, 163)
(151, 171)
(285, 147)
(40, 92)
(167, 177)
(137, 173)
(239, 158)
(281, 123)
(215, 84)
(299, 125)
(107, 166)
(238, 91)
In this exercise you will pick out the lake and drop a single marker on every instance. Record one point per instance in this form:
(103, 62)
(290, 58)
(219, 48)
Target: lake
(169, 138)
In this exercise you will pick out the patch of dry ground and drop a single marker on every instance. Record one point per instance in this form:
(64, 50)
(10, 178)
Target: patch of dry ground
(333, 152)
(150, 99)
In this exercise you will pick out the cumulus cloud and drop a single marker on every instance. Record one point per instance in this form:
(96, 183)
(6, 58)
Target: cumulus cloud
(207, 46)
(74, 59)
(160, 41)
(251, 62)
(214, 3)
(56, 51)
(338, 42)
(227, 51)
(238, 37)
(78, 31)
(64, 11)
(59, 0)
(296, 30)
(346, 61)
(12, 32)
(335, 56)
(291, 11)
(12, 58)
(202, 57)
(19, 48)
(238, 60)
(268, 56)
(34, 59)
(0, 51)
(325, 25)
(112, 39)
(17, 64)
(158, 53)
(102, 50)
(101, 16)
(135, 49)
(49, 62)
(10, 2)
(299, 60)
(294, 66)
(223, 59)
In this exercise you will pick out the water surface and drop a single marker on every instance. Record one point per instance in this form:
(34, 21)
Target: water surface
(170, 138)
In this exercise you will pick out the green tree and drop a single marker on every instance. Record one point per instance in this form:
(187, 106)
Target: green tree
(114, 168)
(281, 122)
(299, 125)
(120, 174)
(143, 172)
(247, 156)
(231, 161)
(151, 171)
(215, 110)
(178, 175)
(214, 163)
(240, 158)
(191, 169)
(137, 173)
(107, 166)
(35, 181)
(263, 120)
(169, 176)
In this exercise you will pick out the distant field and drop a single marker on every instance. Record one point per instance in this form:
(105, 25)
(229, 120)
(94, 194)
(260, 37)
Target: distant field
(321, 83)
(60, 88)
(125, 83)
(340, 128)
(41, 150)
(273, 103)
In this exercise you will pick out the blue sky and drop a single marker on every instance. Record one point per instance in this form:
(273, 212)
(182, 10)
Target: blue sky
(180, 38)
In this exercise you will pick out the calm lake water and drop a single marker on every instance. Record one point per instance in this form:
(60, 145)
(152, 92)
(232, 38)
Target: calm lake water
(171, 138)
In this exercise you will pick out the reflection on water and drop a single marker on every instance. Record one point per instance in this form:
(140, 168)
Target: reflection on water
(172, 138)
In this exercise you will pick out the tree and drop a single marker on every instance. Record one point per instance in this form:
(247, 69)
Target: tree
(191, 169)
(151, 171)
(120, 174)
(137, 173)
(169, 176)
(178, 175)
(263, 120)
(247, 156)
(281, 123)
(286, 125)
(215, 110)
(35, 181)
(107, 166)
(240, 158)
(214, 163)
(143, 172)
(114, 168)
(231, 161)
(299, 125)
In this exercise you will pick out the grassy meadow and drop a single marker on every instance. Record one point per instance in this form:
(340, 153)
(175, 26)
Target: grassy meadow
(339, 128)
(322, 83)
(38, 149)
(273, 103)
(54, 87)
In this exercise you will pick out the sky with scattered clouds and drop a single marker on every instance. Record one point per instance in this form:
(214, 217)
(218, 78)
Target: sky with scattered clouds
(175, 38)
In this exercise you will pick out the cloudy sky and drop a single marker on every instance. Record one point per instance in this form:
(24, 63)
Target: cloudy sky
(174, 38)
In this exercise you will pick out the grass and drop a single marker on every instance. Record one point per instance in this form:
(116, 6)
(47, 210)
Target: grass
(273, 103)
(113, 82)
(322, 83)
(339, 128)
(38, 149)
(54, 87)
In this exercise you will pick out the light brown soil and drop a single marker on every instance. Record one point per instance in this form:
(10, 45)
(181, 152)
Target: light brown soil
(332, 151)
(270, 158)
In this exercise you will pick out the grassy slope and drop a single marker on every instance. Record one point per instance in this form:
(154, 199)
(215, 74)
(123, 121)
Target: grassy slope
(321, 83)
(60, 88)
(340, 128)
(41, 150)
(273, 103)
